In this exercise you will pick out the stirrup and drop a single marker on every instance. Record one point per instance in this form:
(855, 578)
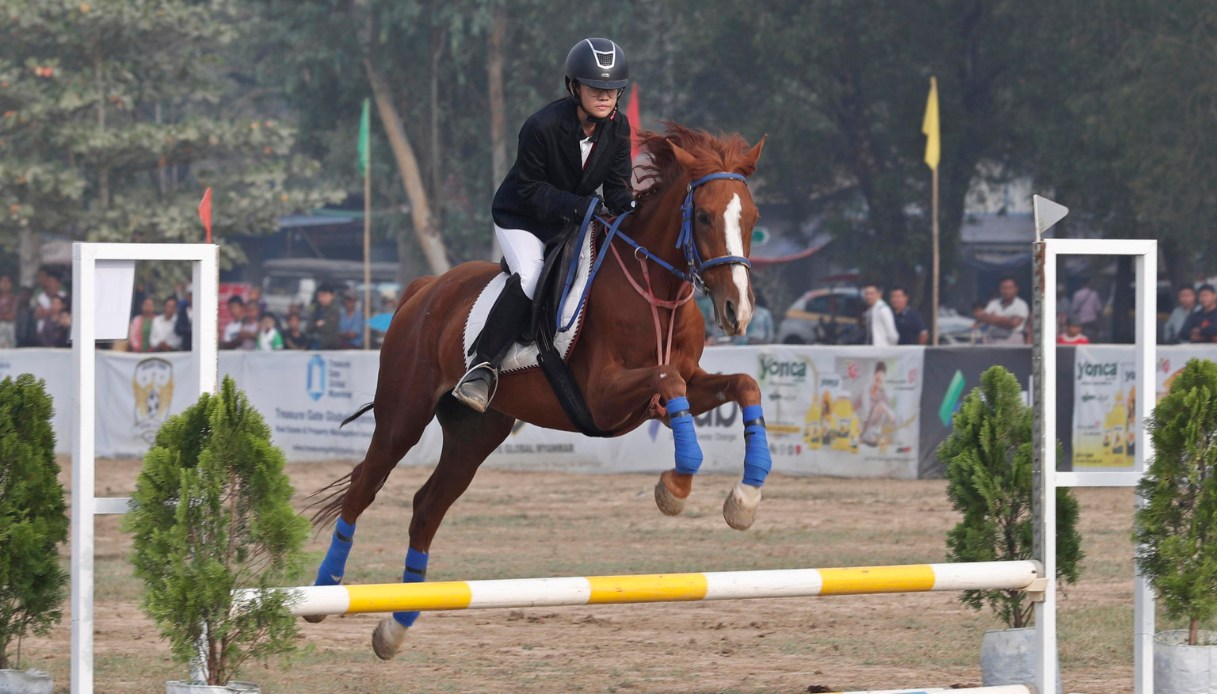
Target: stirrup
(494, 386)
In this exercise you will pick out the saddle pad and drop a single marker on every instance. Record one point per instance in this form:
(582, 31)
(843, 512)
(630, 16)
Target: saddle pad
(522, 357)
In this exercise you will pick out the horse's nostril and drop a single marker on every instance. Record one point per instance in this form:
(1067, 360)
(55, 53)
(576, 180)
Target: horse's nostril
(729, 308)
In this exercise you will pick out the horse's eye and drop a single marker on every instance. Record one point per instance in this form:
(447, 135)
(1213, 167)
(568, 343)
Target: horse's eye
(703, 218)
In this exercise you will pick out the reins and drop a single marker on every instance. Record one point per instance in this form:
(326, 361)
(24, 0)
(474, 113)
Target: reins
(691, 277)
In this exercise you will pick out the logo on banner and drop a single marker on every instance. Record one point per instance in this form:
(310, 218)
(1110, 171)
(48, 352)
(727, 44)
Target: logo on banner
(315, 380)
(152, 383)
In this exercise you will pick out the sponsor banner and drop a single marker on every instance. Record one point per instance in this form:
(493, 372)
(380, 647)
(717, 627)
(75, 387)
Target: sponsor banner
(136, 393)
(849, 413)
(950, 374)
(54, 367)
(1105, 426)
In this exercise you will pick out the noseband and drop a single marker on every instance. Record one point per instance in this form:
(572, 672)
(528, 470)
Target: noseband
(685, 241)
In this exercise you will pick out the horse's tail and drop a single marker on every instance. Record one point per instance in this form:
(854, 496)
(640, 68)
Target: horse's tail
(358, 413)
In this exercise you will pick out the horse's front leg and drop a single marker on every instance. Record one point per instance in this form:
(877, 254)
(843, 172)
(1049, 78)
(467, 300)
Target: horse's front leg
(707, 391)
(620, 392)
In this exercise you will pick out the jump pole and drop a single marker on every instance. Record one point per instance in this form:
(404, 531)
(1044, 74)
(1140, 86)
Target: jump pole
(1002, 689)
(605, 590)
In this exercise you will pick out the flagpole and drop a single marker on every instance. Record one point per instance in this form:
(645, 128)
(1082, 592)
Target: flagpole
(365, 160)
(934, 235)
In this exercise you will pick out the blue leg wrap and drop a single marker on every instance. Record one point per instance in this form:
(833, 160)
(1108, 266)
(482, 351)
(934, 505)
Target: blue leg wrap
(688, 453)
(334, 565)
(757, 461)
(416, 572)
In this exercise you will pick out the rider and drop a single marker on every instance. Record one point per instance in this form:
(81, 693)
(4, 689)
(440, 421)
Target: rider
(568, 150)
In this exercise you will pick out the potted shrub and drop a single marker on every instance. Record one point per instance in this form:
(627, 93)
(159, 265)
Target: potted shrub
(33, 523)
(989, 481)
(212, 513)
(1176, 528)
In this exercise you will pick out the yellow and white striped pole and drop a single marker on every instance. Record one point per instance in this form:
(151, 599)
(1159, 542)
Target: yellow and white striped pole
(602, 590)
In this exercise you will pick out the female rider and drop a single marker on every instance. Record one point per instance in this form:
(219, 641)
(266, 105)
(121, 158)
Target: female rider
(568, 150)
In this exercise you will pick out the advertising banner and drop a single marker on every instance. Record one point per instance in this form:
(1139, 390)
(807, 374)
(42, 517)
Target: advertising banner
(54, 366)
(136, 393)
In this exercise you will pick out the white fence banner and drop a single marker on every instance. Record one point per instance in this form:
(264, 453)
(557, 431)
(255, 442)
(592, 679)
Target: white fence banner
(54, 366)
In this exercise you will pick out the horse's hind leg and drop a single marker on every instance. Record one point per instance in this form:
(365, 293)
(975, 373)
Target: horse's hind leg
(468, 438)
(391, 440)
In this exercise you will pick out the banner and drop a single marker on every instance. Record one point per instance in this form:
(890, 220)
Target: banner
(54, 367)
(1105, 426)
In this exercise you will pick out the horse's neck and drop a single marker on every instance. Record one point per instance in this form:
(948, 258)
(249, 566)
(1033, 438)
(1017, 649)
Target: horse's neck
(657, 227)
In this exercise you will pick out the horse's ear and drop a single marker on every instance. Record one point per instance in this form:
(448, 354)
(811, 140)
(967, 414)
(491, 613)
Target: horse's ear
(749, 166)
(687, 161)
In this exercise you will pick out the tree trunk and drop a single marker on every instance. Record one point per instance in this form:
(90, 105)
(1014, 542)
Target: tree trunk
(498, 108)
(1122, 305)
(29, 252)
(429, 238)
(435, 170)
(1193, 632)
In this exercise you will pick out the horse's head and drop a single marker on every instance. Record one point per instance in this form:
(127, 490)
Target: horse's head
(723, 215)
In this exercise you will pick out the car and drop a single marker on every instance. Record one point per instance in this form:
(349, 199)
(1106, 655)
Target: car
(829, 316)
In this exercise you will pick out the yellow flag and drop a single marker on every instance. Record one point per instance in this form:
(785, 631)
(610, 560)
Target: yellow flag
(929, 126)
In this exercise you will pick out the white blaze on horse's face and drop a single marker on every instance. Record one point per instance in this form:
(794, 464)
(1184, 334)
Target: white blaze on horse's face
(735, 246)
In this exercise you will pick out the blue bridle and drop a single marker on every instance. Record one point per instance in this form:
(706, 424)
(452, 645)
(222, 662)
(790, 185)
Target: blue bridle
(685, 241)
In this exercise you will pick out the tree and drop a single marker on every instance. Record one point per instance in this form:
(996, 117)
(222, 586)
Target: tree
(114, 116)
(33, 516)
(212, 513)
(988, 460)
(1176, 529)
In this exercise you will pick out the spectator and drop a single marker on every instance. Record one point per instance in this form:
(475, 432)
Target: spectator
(1201, 325)
(184, 327)
(909, 325)
(269, 338)
(27, 325)
(323, 324)
(57, 326)
(50, 288)
(140, 334)
(294, 337)
(1073, 334)
(760, 328)
(350, 323)
(255, 297)
(231, 339)
(1085, 308)
(163, 337)
(980, 332)
(8, 313)
(1172, 332)
(251, 325)
(879, 321)
(1006, 316)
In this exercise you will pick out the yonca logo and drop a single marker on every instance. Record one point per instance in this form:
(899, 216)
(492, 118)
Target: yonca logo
(771, 368)
(1089, 369)
(315, 380)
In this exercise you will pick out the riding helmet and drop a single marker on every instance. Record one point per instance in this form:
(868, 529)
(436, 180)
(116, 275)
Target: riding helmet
(598, 63)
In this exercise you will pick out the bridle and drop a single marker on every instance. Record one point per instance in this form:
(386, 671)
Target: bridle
(695, 266)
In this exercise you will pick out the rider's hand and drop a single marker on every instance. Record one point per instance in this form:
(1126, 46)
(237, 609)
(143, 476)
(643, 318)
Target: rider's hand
(588, 202)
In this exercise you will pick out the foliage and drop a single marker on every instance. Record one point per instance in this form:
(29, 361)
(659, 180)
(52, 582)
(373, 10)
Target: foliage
(988, 461)
(115, 116)
(212, 513)
(1176, 529)
(33, 516)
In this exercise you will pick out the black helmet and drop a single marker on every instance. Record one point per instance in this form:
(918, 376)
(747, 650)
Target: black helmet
(598, 63)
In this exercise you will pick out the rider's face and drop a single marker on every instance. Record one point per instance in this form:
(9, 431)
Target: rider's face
(597, 103)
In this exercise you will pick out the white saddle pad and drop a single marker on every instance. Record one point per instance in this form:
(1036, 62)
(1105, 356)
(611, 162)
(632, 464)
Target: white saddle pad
(522, 357)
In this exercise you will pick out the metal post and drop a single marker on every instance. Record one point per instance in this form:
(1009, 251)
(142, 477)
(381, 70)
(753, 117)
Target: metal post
(1146, 357)
(84, 266)
(1043, 390)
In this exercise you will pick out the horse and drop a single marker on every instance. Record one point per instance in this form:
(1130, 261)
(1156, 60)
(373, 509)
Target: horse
(696, 205)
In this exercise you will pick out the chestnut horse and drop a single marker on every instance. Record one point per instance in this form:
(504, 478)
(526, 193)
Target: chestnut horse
(637, 357)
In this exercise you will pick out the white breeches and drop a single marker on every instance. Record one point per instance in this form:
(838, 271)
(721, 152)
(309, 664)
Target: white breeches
(525, 256)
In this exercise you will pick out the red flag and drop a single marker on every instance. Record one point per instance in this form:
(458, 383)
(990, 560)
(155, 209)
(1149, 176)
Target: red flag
(631, 114)
(205, 213)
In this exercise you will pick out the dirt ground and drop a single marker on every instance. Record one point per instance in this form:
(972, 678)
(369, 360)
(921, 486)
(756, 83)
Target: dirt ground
(513, 524)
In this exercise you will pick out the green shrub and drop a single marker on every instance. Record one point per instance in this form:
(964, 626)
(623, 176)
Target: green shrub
(212, 513)
(988, 460)
(1176, 529)
(33, 516)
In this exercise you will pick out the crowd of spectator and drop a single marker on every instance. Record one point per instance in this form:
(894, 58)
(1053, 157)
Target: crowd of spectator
(322, 326)
(35, 316)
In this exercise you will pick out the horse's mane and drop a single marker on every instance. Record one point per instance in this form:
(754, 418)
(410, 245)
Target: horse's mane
(725, 152)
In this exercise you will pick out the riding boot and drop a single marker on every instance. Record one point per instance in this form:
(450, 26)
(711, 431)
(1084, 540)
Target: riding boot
(476, 388)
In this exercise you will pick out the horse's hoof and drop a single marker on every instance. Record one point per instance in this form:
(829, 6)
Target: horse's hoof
(739, 510)
(387, 638)
(666, 496)
(314, 618)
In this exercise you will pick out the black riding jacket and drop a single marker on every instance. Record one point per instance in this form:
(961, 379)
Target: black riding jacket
(546, 189)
